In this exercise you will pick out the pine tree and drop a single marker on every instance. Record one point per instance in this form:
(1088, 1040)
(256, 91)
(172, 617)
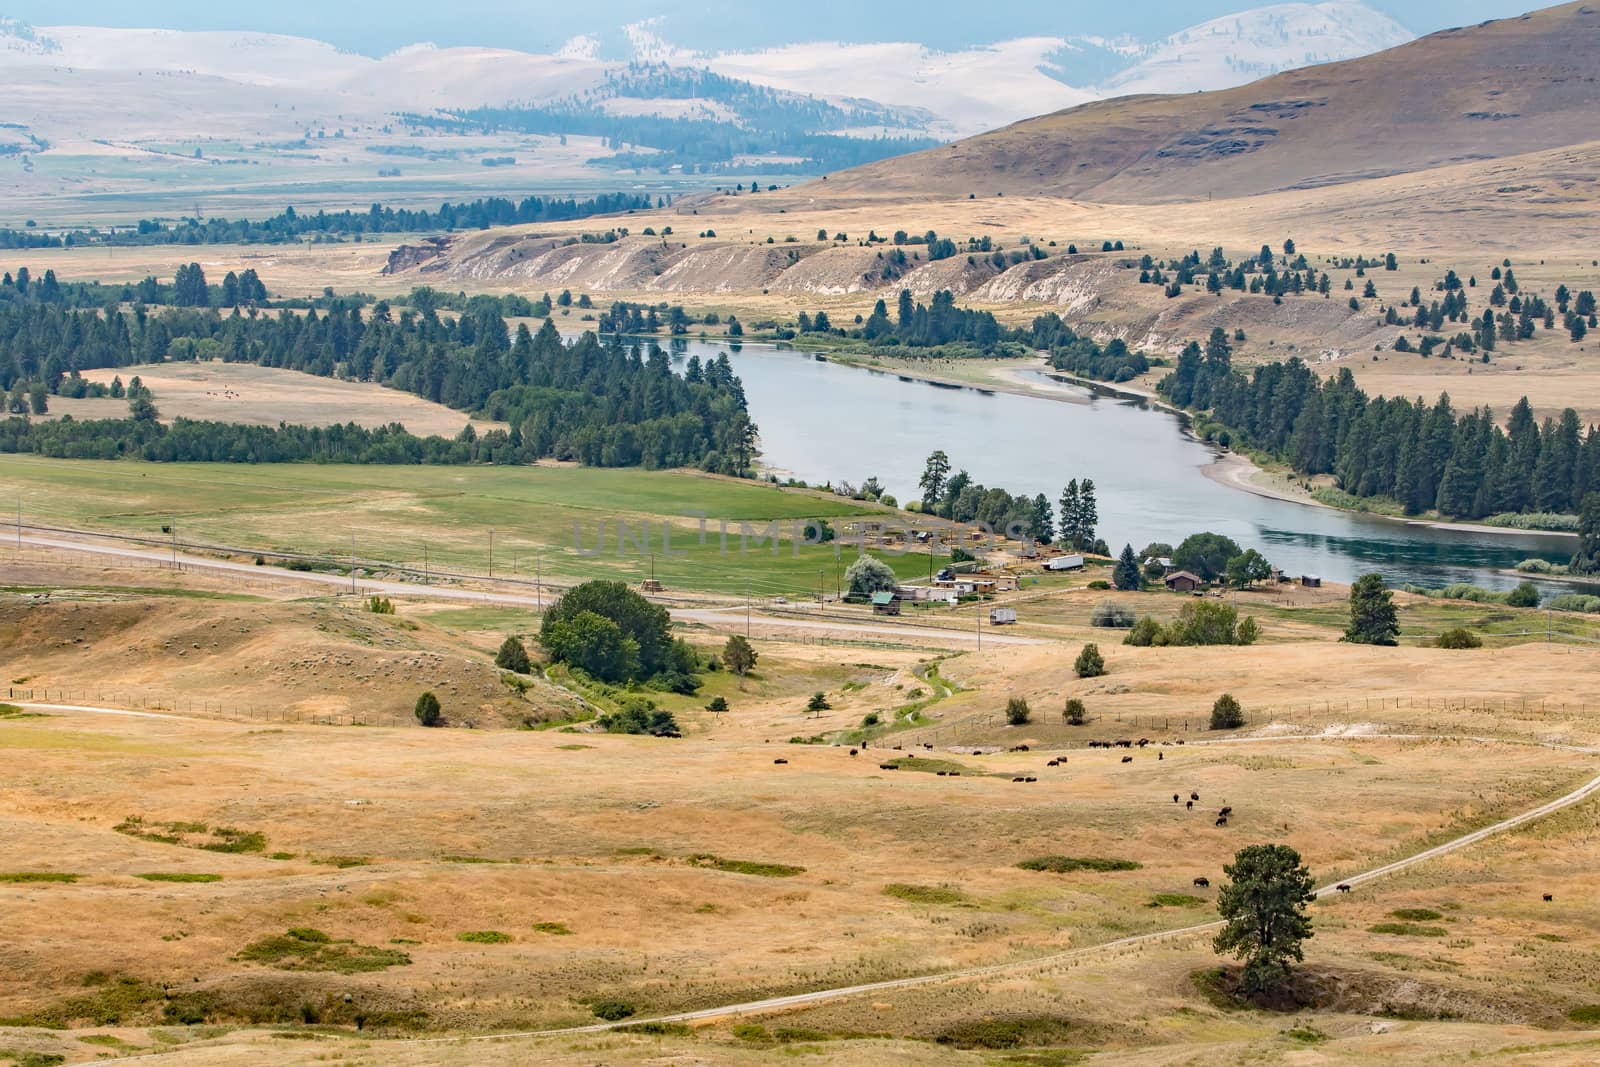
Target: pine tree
(1125, 575)
(1069, 514)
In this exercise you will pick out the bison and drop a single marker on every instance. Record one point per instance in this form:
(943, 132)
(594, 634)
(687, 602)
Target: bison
(1343, 887)
(1127, 759)
(1548, 897)
(1222, 820)
(1188, 806)
(1226, 811)
(1194, 796)
(1202, 883)
(780, 761)
(853, 751)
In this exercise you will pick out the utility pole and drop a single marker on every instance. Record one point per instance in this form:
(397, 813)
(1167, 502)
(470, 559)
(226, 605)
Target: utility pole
(822, 593)
(19, 526)
(352, 561)
(978, 601)
(747, 609)
(424, 561)
(173, 526)
(538, 583)
(491, 552)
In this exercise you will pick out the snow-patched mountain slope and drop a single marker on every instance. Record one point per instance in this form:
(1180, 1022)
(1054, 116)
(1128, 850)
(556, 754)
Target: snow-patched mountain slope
(1253, 44)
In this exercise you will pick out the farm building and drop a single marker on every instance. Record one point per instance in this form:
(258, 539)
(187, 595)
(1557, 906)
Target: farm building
(885, 604)
(1184, 582)
(1311, 581)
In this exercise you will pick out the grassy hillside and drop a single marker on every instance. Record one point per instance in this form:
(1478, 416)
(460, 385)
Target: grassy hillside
(1499, 89)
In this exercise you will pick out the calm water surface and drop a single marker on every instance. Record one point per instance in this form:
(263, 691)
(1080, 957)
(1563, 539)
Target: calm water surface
(822, 421)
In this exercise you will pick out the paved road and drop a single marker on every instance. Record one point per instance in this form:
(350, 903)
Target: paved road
(717, 618)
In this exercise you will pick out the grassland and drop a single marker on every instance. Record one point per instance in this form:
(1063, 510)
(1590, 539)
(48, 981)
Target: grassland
(539, 517)
(266, 396)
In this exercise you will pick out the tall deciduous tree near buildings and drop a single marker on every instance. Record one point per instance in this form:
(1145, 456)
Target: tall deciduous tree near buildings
(1373, 619)
(867, 576)
(1263, 908)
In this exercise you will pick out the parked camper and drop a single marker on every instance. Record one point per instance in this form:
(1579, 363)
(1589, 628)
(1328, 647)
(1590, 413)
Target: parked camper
(1064, 563)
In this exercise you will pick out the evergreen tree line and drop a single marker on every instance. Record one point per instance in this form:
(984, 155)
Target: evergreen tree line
(1464, 464)
(601, 404)
(291, 225)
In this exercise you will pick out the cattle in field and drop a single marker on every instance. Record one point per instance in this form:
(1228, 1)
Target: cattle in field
(1202, 883)
(1343, 887)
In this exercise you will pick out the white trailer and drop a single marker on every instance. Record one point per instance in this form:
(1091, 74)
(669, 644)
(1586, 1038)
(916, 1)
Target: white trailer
(1002, 616)
(1064, 563)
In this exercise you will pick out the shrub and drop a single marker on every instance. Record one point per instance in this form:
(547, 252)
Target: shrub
(378, 605)
(818, 702)
(483, 937)
(1145, 633)
(427, 709)
(1586, 1013)
(1226, 714)
(513, 656)
(871, 718)
(1090, 663)
(1460, 637)
(1575, 602)
(1017, 712)
(613, 1010)
(1075, 713)
(718, 704)
(1249, 631)
(1525, 595)
(1407, 930)
(924, 894)
(639, 716)
(1112, 615)
(1068, 864)
(1099, 584)
(1417, 914)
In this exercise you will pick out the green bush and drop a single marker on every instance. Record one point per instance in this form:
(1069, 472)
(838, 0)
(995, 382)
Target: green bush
(1075, 713)
(1417, 914)
(1575, 602)
(1407, 930)
(427, 709)
(613, 1010)
(1090, 663)
(1147, 632)
(483, 937)
(1226, 714)
(1525, 595)
(1068, 864)
(1586, 1013)
(924, 894)
(1460, 637)
(1017, 712)
(718, 704)
(818, 702)
(513, 656)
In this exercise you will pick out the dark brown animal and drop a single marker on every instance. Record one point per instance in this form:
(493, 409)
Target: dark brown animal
(853, 752)
(1188, 805)
(1548, 897)
(1202, 883)
(888, 767)
(1019, 779)
(1031, 778)
(1161, 755)
(1143, 741)
(1053, 763)
(1343, 887)
(955, 774)
(780, 761)
(1222, 820)
(1226, 811)
(1194, 796)
(1127, 759)
(1175, 798)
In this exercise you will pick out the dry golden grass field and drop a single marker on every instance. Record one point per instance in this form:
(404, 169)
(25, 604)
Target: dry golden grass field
(220, 887)
(266, 396)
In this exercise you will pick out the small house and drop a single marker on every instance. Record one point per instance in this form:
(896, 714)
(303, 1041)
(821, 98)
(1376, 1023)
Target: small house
(885, 604)
(1311, 581)
(1184, 582)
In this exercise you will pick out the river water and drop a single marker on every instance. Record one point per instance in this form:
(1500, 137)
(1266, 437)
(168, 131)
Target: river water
(827, 422)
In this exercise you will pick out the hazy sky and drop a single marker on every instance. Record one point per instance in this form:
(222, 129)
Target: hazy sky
(539, 25)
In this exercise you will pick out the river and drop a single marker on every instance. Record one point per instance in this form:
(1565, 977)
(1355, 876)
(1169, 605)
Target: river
(827, 422)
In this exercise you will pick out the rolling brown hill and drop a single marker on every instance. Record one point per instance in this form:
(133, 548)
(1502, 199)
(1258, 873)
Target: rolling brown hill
(1499, 89)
